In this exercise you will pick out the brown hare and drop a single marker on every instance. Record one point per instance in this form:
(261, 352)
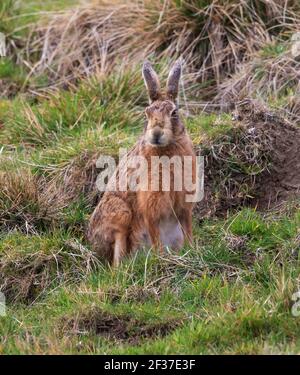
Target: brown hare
(123, 221)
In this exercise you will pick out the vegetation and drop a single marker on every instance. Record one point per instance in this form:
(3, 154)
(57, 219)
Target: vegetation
(68, 97)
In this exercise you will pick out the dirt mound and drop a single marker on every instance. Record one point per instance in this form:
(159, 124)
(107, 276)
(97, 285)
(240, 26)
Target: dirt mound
(282, 179)
(117, 327)
(256, 164)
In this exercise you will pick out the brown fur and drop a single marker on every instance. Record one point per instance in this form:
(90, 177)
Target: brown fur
(123, 220)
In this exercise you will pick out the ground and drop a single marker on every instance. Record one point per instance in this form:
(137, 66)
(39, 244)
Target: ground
(229, 293)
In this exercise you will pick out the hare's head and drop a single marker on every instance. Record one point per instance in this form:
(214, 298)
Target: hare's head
(163, 124)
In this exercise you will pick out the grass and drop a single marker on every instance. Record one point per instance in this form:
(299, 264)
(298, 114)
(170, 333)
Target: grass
(208, 127)
(154, 31)
(17, 18)
(97, 103)
(270, 76)
(223, 296)
(228, 293)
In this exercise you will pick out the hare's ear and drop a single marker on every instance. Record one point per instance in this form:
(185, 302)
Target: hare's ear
(173, 80)
(151, 81)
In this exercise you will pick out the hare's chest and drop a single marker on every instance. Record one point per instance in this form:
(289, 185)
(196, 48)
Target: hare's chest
(171, 234)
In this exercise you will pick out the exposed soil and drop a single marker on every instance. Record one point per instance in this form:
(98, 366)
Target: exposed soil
(282, 181)
(28, 278)
(257, 164)
(117, 327)
(25, 282)
(8, 89)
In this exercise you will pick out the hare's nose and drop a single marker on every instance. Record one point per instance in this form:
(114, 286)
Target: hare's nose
(158, 133)
(156, 136)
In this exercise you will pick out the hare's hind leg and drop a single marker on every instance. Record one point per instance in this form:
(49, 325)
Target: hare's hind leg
(185, 219)
(119, 248)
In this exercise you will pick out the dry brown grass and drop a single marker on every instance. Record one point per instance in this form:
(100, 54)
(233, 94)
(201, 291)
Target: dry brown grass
(78, 176)
(32, 202)
(270, 77)
(28, 202)
(213, 37)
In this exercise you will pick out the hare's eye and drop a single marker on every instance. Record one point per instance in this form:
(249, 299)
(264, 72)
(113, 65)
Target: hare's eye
(174, 113)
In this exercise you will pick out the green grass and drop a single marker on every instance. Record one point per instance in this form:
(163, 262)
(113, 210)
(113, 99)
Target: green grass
(229, 293)
(16, 16)
(95, 104)
(8, 69)
(208, 127)
(273, 50)
(219, 298)
(16, 20)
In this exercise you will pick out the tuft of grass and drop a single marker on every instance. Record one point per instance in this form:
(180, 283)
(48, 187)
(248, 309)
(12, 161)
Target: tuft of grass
(271, 75)
(27, 202)
(32, 265)
(98, 103)
(17, 19)
(213, 37)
